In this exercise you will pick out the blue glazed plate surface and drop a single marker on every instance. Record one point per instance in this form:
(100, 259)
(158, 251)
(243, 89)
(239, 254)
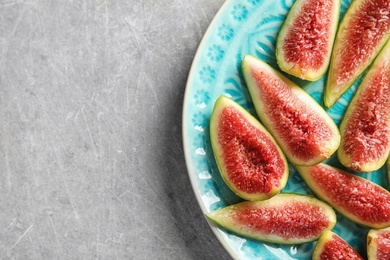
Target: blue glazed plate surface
(247, 27)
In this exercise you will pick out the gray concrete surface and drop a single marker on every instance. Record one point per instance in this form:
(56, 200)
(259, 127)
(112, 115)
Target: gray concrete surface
(91, 157)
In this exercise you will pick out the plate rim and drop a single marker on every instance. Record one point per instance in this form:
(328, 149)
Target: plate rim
(187, 157)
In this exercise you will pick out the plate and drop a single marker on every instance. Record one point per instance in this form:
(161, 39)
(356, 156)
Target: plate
(247, 27)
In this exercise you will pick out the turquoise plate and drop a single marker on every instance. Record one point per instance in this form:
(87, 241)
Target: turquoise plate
(247, 27)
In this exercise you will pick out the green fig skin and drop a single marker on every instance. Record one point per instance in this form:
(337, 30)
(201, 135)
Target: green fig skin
(304, 131)
(378, 244)
(388, 169)
(332, 246)
(360, 200)
(365, 128)
(303, 48)
(256, 178)
(286, 218)
(362, 33)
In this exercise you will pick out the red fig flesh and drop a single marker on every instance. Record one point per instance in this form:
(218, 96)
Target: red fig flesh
(378, 244)
(305, 41)
(284, 218)
(332, 246)
(249, 159)
(302, 128)
(362, 33)
(365, 129)
(359, 199)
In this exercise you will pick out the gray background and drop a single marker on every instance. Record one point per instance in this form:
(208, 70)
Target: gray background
(91, 96)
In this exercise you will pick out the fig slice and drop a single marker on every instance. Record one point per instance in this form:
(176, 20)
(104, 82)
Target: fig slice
(332, 246)
(304, 43)
(248, 157)
(362, 33)
(378, 244)
(304, 131)
(284, 218)
(365, 128)
(357, 198)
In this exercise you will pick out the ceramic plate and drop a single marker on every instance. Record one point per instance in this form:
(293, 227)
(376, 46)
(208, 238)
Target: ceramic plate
(247, 27)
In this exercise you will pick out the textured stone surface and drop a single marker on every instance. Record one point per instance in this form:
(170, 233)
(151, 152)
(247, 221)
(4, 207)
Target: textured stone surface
(91, 157)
